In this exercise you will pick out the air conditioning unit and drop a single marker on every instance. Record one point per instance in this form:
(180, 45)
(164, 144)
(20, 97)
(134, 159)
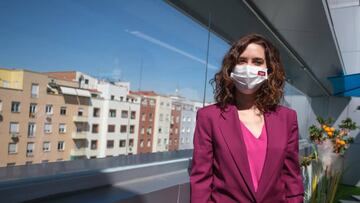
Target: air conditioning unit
(48, 118)
(14, 134)
(130, 149)
(32, 115)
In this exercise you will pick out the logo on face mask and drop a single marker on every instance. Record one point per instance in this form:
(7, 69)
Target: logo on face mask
(248, 78)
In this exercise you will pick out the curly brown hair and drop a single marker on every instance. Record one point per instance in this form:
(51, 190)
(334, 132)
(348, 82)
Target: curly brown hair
(269, 94)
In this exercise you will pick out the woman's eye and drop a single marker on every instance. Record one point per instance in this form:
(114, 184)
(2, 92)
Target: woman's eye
(258, 63)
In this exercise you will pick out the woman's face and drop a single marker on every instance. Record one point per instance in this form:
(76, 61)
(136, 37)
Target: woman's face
(253, 55)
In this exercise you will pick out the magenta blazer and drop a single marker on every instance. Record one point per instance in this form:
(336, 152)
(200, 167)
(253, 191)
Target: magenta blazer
(220, 171)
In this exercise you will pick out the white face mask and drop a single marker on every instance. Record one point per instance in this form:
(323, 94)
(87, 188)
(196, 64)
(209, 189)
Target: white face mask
(248, 78)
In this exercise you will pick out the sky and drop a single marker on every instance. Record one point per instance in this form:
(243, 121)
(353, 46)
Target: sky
(111, 39)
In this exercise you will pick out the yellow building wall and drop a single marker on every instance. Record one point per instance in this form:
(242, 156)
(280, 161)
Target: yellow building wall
(13, 78)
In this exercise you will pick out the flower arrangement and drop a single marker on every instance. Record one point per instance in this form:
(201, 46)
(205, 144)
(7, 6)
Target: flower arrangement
(322, 169)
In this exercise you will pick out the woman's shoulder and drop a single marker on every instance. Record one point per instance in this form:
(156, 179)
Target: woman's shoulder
(209, 110)
(285, 109)
(287, 113)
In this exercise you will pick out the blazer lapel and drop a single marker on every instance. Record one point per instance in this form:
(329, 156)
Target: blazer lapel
(231, 131)
(276, 143)
(229, 124)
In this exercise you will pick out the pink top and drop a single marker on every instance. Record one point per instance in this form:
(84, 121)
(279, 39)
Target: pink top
(256, 152)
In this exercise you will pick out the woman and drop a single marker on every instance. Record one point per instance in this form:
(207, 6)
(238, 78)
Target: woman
(246, 144)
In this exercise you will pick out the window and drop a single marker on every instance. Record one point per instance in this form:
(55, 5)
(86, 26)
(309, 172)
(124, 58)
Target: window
(122, 143)
(49, 109)
(133, 115)
(161, 117)
(110, 144)
(124, 114)
(176, 131)
(93, 144)
(149, 130)
(148, 143)
(142, 130)
(132, 129)
(14, 127)
(131, 142)
(161, 103)
(86, 81)
(187, 140)
(167, 117)
(80, 112)
(112, 113)
(123, 128)
(150, 117)
(61, 146)
(32, 110)
(159, 130)
(95, 128)
(46, 146)
(63, 110)
(12, 149)
(48, 128)
(188, 130)
(152, 102)
(189, 119)
(15, 107)
(121, 98)
(141, 143)
(6, 83)
(177, 119)
(182, 140)
(112, 97)
(31, 129)
(143, 116)
(184, 119)
(144, 102)
(96, 112)
(165, 141)
(111, 128)
(28, 163)
(34, 90)
(62, 128)
(159, 141)
(30, 149)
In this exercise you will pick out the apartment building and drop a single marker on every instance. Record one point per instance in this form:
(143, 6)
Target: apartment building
(162, 123)
(146, 121)
(187, 123)
(114, 115)
(174, 136)
(38, 121)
